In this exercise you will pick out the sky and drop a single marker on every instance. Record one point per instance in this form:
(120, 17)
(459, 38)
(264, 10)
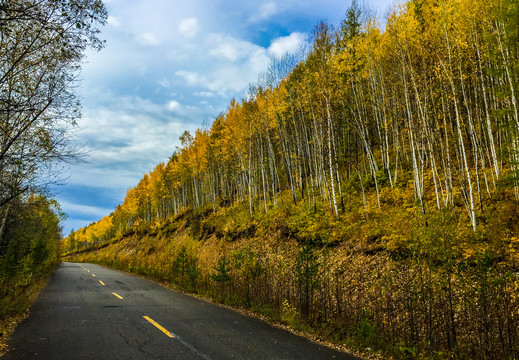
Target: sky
(170, 66)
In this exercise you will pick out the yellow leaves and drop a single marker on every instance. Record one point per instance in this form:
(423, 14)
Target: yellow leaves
(468, 253)
(103, 225)
(395, 242)
(157, 223)
(513, 249)
(131, 202)
(289, 313)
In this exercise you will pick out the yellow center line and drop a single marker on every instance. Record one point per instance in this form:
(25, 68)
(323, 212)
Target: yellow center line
(102, 283)
(158, 326)
(117, 295)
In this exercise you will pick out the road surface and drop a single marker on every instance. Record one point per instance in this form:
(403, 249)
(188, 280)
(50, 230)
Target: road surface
(91, 312)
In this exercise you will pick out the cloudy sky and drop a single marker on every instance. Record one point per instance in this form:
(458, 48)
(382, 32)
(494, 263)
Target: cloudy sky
(170, 66)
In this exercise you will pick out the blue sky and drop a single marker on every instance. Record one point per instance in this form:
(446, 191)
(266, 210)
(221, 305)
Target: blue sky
(170, 66)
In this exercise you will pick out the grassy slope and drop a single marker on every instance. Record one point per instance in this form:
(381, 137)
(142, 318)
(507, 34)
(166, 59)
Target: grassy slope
(15, 302)
(390, 268)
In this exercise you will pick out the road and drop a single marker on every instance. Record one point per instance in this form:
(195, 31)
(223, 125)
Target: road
(90, 312)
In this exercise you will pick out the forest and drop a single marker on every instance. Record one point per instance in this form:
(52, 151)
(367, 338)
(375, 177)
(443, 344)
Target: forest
(364, 191)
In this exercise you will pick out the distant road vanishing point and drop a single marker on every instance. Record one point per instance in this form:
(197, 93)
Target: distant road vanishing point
(91, 312)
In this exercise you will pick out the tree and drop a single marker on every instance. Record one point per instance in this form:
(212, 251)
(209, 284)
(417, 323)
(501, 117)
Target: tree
(222, 270)
(41, 46)
(35, 234)
(185, 270)
(307, 271)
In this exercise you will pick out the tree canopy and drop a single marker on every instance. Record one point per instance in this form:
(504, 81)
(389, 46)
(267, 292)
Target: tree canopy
(42, 43)
(41, 48)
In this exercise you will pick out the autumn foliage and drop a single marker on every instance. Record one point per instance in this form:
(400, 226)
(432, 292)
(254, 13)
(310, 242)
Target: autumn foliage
(366, 190)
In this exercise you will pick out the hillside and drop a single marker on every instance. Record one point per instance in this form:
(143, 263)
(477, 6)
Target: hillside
(366, 191)
(390, 282)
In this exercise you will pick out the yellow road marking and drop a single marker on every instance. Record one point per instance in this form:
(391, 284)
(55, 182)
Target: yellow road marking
(119, 296)
(94, 275)
(158, 326)
(102, 283)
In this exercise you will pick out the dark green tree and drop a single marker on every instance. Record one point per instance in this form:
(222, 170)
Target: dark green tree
(35, 232)
(185, 270)
(350, 27)
(307, 276)
(223, 268)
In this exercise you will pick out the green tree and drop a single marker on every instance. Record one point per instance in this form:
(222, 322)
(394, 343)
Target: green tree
(307, 276)
(223, 268)
(185, 270)
(35, 232)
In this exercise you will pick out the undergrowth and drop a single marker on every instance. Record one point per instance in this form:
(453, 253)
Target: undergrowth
(389, 282)
(16, 298)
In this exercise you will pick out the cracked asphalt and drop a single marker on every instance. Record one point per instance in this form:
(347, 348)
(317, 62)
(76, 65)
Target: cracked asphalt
(77, 317)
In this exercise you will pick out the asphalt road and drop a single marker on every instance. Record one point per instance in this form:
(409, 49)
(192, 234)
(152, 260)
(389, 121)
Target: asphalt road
(91, 312)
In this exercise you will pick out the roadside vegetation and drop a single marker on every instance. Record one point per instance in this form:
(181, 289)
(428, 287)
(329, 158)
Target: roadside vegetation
(365, 191)
(31, 256)
(388, 283)
(41, 48)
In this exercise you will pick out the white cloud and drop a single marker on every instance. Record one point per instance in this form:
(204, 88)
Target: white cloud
(128, 137)
(287, 44)
(189, 27)
(234, 64)
(85, 210)
(235, 78)
(191, 78)
(227, 51)
(113, 21)
(266, 11)
(148, 39)
(230, 48)
(173, 105)
(165, 83)
(208, 94)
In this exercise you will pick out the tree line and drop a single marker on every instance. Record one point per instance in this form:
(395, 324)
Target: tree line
(431, 100)
(41, 48)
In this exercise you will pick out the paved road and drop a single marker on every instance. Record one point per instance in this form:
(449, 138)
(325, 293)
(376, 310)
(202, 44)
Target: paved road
(91, 312)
